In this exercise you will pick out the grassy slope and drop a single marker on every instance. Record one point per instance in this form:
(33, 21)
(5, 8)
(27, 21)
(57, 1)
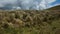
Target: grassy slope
(29, 22)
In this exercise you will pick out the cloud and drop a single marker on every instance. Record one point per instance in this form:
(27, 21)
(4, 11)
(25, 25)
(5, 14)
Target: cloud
(45, 3)
(4, 2)
(27, 4)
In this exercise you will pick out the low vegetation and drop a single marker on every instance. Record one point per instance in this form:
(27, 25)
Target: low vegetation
(29, 22)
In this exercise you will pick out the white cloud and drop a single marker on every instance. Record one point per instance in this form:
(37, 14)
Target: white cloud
(45, 3)
(27, 4)
(50, 1)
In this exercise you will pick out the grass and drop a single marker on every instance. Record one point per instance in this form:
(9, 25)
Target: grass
(29, 22)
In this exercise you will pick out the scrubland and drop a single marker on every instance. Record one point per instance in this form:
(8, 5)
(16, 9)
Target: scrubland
(29, 22)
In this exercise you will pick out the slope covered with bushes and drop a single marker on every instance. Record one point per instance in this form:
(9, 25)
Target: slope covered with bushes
(29, 22)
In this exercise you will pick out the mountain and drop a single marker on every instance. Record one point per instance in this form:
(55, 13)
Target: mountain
(30, 21)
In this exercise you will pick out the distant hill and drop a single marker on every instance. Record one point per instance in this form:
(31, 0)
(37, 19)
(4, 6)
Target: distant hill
(55, 8)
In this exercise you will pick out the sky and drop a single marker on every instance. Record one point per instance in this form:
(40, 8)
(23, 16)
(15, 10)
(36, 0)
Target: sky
(29, 4)
(57, 2)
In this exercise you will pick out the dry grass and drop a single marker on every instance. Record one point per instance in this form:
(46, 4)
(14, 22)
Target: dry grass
(29, 22)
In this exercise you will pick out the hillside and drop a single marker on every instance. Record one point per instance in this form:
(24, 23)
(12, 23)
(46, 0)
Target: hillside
(55, 8)
(30, 21)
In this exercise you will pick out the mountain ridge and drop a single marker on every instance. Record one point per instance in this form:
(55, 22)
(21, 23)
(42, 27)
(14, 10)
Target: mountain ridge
(54, 8)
